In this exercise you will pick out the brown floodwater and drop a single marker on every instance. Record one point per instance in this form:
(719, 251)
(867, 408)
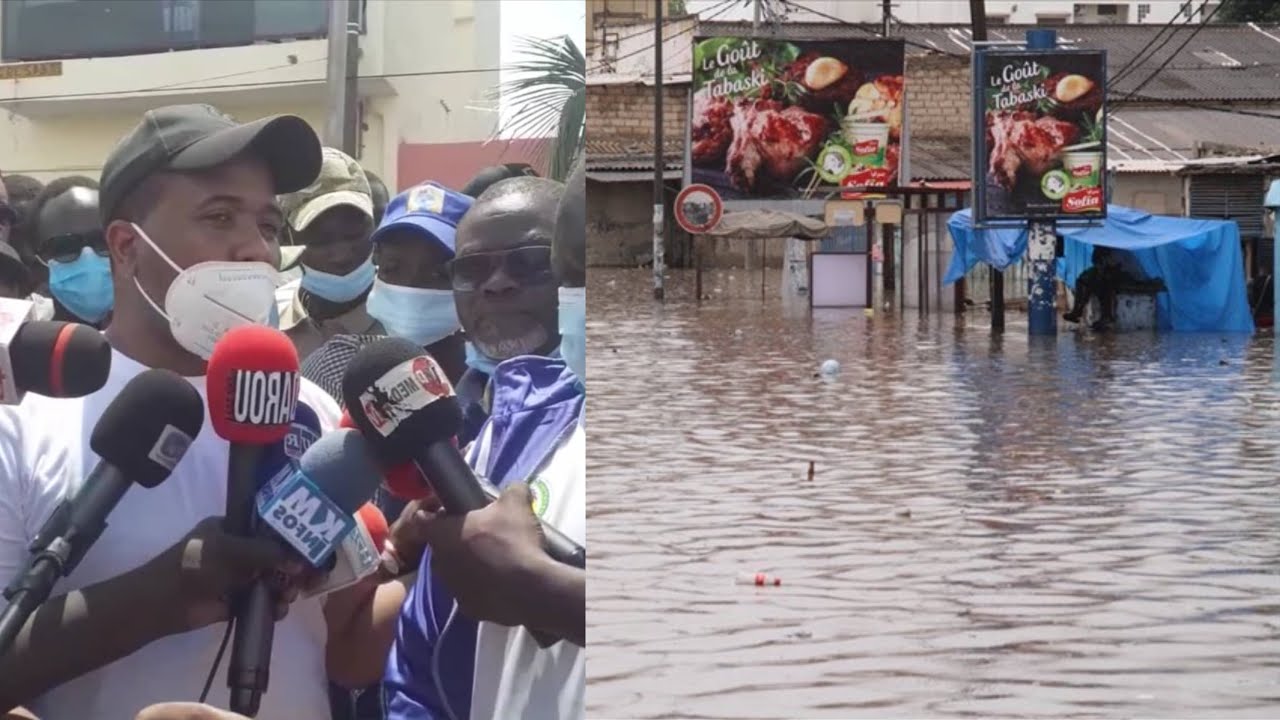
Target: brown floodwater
(1080, 527)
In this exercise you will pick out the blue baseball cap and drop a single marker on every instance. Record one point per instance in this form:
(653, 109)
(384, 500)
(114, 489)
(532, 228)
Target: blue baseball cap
(429, 208)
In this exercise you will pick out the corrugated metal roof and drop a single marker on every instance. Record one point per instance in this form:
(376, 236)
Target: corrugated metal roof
(939, 159)
(609, 176)
(627, 155)
(1140, 134)
(1222, 62)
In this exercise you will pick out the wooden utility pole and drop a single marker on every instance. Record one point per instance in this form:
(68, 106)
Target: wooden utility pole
(659, 161)
(888, 266)
(978, 21)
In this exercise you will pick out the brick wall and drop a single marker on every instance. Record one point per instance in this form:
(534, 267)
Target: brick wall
(938, 96)
(937, 91)
(625, 112)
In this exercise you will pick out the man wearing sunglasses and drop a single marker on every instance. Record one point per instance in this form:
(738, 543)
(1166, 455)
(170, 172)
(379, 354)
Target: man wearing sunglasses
(506, 294)
(72, 249)
(502, 278)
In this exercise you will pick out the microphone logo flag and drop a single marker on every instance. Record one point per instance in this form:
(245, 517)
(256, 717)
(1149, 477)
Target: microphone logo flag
(300, 438)
(169, 448)
(304, 517)
(402, 391)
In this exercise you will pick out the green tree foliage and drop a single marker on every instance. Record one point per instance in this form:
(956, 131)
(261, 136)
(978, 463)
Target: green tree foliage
(549, 95)
(1250, 11)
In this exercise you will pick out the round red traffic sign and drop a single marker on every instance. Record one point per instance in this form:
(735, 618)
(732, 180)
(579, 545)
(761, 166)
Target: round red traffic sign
(698, 208)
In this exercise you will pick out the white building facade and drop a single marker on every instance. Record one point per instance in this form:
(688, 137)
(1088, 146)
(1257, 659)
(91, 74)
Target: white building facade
(75, 75)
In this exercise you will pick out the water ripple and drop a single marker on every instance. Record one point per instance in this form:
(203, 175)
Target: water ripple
(995, 527)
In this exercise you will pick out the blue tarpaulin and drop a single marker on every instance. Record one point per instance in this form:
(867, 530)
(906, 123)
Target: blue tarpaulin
(1200, 262)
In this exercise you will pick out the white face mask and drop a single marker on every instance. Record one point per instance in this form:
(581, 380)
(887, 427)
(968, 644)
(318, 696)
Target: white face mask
(210, 298)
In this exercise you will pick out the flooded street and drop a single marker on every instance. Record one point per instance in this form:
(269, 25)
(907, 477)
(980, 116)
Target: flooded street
(1081, 527)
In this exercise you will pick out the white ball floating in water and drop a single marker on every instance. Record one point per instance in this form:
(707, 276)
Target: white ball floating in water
(830, 367)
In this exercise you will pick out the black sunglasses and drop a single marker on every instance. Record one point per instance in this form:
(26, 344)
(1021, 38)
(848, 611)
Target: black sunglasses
(526, 266)
(67, 248)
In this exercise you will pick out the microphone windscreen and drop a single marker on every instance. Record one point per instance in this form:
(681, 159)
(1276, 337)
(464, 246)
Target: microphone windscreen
(400, 399)
(376, 523)
(341, 467)
(253, 385)
(60, 359)
(149, 425)
(404, 480)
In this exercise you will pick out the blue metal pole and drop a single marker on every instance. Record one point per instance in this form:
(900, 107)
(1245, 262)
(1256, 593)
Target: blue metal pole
(1042, 290)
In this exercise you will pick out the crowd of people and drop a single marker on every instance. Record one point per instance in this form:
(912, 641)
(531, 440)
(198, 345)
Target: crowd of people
(467, 617)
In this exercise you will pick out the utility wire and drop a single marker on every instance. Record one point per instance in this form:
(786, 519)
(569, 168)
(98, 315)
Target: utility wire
(723, 7)
(868, 31)
(1205, 106)
(667, 20)
(1176, 52)
(1138, 59)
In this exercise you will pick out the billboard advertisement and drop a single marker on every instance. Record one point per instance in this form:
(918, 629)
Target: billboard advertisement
(1041, 135)
(773, 119)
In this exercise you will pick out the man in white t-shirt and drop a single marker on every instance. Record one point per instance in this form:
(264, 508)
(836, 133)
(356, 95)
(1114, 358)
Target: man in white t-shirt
(187, 197)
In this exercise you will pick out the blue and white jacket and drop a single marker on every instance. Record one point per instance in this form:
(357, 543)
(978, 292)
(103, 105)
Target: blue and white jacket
(537, 403)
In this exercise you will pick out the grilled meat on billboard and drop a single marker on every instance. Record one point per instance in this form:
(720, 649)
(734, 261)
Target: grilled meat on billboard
(1044, 142)
(773, 118)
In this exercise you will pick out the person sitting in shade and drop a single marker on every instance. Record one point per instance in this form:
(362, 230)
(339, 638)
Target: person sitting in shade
(1112, 270)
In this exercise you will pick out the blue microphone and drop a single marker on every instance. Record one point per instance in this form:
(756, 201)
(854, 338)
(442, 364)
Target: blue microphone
(283, 459)
(312, 509)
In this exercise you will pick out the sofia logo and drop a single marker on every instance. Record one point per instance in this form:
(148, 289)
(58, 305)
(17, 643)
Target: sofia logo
(1082, 171)
(867, 177)
(1083, 200)
(866, 147)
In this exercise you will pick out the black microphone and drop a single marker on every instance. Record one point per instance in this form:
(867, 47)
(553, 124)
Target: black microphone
(140, 438)
(405, 407)
(55, 359)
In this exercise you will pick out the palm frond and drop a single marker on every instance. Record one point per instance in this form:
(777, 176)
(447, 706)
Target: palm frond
(549, 95)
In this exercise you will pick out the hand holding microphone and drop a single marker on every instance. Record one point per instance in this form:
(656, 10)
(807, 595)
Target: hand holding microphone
(406, 409)
(253, 388)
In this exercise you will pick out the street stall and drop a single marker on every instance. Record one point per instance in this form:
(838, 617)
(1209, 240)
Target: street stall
(1199, 261)
(758, 225)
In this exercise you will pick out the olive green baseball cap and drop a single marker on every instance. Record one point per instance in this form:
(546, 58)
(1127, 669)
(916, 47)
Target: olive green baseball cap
(341, 182)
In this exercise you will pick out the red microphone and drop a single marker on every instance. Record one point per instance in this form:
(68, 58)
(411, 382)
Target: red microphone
(253, 388)
(376, 523)
(360, 553)
(405, 480)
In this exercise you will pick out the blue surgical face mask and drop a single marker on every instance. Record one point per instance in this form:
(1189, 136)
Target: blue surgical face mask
(573, 330)
(477, 360)
(339, 288)
(83, 285)
(418, 314)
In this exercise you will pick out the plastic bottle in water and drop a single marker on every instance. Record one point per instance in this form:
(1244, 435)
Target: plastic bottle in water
(758, 579)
